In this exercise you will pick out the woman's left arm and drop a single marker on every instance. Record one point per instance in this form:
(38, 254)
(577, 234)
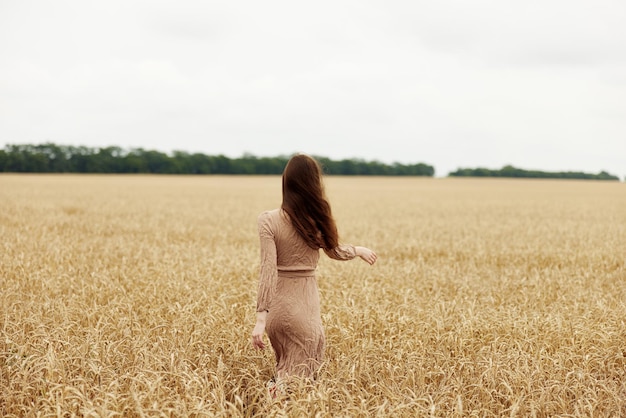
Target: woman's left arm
(267, 279)
(259, 329)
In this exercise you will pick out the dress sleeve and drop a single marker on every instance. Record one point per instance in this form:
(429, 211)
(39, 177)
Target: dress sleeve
(342, 252)
(268, 273)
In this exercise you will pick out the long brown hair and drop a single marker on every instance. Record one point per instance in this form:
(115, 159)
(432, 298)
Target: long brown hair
(305, 202)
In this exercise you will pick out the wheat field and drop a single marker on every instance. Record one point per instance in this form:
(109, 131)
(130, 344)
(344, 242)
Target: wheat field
(134, 296)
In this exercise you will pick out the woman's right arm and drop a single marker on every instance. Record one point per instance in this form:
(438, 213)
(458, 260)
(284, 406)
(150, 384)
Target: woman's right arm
(366, 254)
(348, 252)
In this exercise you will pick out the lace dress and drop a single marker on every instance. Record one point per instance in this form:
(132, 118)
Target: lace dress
(288, 291)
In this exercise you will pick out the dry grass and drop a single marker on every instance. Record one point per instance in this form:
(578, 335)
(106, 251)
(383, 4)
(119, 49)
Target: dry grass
(134, 296)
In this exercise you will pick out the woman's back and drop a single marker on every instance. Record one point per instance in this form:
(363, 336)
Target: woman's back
(292, 252)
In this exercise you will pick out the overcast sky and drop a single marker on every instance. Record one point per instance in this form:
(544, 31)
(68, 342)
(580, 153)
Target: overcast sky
(536, 84)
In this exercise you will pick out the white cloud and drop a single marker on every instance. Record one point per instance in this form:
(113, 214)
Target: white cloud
(450, 83)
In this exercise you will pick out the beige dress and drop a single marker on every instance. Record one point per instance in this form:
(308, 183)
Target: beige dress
(288, 291)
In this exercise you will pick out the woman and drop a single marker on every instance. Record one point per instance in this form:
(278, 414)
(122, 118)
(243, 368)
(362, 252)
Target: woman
(288, 305)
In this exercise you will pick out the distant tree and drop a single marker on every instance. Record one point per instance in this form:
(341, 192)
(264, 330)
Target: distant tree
(222, 165)
(512, 172)
(4, 159)
(49, 157)
(133, 162)
(201, 164)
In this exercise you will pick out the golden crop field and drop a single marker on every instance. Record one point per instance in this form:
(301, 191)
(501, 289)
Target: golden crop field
(134, 296)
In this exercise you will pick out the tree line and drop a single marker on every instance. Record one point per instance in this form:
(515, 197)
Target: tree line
(53, 158)
(512, 172)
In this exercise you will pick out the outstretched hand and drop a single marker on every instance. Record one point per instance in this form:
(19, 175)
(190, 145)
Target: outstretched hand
(366, 255)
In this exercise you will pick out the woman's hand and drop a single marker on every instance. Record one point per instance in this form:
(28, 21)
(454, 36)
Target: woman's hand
(366, 254)
(259, 330)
